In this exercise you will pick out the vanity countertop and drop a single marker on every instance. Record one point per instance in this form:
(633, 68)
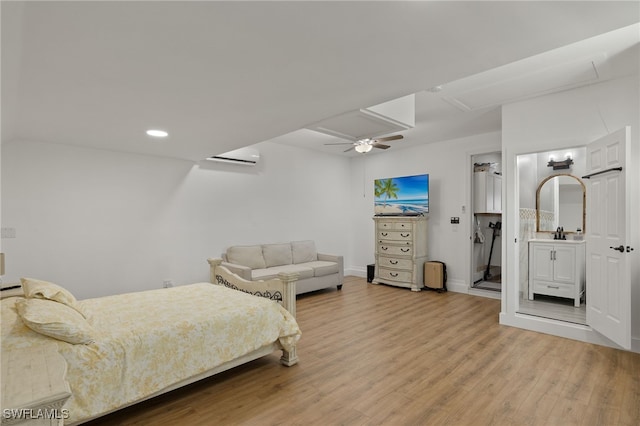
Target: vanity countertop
(551, 240)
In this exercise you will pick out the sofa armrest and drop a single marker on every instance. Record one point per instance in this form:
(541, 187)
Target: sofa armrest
(243, 271)
(333, 258)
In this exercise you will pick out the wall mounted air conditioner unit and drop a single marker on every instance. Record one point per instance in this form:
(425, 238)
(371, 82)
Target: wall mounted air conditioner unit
(242, 156)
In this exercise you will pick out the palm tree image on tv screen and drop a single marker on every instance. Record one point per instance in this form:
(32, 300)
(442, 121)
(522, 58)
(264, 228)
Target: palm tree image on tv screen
(402, 196)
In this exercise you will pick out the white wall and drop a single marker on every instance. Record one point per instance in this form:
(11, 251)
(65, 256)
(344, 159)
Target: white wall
(448, 164)
(102, 222)
(556, 122)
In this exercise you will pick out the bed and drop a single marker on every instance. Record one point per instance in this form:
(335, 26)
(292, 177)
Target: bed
(135, 346)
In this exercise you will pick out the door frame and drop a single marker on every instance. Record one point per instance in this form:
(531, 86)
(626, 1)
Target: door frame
(511, 254)
(471, 222)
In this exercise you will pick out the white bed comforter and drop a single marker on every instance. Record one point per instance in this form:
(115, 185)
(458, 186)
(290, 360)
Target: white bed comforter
(147, 341)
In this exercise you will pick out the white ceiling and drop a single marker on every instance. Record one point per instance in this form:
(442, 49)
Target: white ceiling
(221, 75)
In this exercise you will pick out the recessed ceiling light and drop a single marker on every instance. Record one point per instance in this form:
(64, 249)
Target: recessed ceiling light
(157, 133)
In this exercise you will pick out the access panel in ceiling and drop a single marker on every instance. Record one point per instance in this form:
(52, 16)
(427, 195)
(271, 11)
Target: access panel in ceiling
(382, 119)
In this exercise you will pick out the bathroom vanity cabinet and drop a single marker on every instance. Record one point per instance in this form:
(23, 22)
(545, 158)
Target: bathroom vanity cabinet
(557, 268)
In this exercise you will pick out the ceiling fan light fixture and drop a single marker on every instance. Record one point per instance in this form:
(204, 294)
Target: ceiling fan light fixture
(157, 133)
(363, 148)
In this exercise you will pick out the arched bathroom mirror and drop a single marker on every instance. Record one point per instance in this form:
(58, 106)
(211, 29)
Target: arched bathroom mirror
(560, 202)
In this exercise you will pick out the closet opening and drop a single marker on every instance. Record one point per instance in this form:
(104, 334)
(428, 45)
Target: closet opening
(487, 222)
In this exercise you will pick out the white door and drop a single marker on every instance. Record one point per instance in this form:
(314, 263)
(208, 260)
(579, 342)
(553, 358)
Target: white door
(608, 270)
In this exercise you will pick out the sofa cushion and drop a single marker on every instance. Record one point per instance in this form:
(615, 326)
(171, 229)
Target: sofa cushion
(277, 254)
(322, 268)
(268, 273)
(249, 256)
(304, 251)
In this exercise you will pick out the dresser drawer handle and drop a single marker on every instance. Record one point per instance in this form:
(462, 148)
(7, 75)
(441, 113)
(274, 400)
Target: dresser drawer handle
(393, 274)
(384, 234)
(393, 262)
(405, 250)
(404, 236)
(553, 286)
(383, 248)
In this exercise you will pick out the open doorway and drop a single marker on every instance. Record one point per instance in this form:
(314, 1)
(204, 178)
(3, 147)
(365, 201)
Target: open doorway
(487, 222)
(551, 209)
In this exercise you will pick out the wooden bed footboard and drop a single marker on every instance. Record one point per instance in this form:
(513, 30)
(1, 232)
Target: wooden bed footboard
(281, 289)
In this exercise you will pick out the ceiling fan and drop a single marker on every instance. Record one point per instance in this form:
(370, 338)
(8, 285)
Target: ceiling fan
(365, 145)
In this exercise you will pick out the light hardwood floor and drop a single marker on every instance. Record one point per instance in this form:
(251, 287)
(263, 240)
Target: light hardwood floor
(379, 355)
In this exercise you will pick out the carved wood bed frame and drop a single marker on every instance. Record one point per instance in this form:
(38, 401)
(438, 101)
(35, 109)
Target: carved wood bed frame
(281, 289)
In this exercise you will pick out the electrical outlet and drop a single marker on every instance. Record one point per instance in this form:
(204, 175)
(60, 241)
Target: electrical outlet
(167, 283)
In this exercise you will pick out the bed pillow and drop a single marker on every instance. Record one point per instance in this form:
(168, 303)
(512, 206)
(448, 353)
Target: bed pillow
(304, 251)
(55, 320)
(39, 289)
(277, 254)
(249, 256)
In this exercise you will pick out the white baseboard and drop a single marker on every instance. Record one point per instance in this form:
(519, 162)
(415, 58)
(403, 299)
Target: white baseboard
(356, 271)
(460, 286)
(456, 286)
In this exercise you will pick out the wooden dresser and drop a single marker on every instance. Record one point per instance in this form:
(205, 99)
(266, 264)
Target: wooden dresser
(401, 250)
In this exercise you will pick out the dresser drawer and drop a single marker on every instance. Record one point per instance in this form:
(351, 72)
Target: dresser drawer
(394, 226)
(395, 235)
(393, 262)
(554, 289)
(395, 275)
(395, 250)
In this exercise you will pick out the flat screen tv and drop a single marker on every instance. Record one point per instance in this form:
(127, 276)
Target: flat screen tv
(402, 196)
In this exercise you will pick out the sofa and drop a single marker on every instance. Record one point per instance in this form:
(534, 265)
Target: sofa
(262, 262)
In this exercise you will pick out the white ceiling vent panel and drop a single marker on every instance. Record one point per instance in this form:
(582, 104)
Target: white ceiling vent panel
(527, 84)
(393, 116)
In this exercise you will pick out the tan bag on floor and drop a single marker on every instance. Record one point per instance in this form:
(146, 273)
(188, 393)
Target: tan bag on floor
(435, 276)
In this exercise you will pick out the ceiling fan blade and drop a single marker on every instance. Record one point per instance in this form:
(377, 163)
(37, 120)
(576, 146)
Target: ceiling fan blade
(340, 143)
(347, 150)
(389, 138)
(381, 146)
